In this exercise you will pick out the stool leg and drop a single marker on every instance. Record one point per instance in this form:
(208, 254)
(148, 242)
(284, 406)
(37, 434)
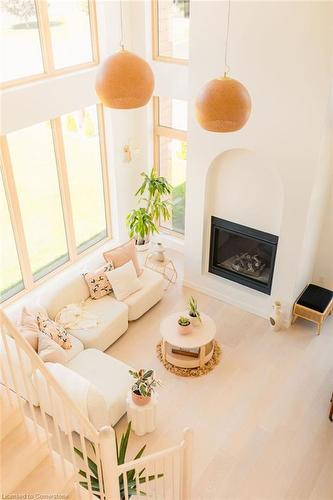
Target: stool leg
(331, 410)
(318, 328)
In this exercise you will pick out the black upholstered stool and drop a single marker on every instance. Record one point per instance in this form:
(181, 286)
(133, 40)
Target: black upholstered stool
(314, 304)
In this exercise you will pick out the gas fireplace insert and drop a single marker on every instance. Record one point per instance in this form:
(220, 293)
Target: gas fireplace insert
(242, 254)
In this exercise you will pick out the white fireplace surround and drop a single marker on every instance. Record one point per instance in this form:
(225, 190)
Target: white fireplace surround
(274, 174)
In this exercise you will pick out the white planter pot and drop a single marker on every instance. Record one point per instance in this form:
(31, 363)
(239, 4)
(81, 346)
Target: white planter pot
(142, 248)
(275, 319)
(194, 321)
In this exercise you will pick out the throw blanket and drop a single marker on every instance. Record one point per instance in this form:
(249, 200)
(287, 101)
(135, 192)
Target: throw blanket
(74, 317)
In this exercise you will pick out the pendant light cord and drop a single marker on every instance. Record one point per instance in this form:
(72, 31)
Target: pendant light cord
(226, 65)
(121, 26)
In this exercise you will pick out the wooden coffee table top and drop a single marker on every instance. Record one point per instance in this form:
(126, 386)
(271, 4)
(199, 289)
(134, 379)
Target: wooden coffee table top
(200, 335)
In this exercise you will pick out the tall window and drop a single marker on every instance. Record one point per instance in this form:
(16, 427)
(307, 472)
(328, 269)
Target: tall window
(85, 176)
(41, 38)
(171, 24)
(10, 272)
(55, 205)
(170, 152)
(34, 168)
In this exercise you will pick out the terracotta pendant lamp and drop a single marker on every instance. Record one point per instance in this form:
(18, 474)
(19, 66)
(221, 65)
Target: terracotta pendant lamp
(224, 104)
(124, 80)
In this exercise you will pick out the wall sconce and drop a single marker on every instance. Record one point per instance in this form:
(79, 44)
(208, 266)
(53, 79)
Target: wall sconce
(127, 153)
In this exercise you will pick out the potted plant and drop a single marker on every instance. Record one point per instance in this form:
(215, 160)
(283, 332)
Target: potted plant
(144, 386)
(142, 222)
(184, 325)
(194, 312)
(126, 489)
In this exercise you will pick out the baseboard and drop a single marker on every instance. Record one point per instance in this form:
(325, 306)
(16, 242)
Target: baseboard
(262, 312)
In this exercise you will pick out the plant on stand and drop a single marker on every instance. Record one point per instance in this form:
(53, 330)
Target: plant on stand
(142, 222)
(144, 386)
(193, 311)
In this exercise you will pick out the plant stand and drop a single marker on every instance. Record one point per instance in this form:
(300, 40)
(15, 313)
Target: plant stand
(143, 418)
(166, 268)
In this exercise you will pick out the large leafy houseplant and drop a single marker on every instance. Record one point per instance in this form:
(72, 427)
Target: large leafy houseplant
(121, 457)
(153, 196)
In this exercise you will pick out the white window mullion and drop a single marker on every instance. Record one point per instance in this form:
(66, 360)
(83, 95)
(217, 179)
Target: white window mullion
(15, 214)
(102, 145)
(64, 187)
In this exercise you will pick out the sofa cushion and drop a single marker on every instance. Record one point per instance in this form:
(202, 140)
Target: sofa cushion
(81, 391)
(49, 350)
(109, 375)
(112, 323)
(76, 348)
(151, 292)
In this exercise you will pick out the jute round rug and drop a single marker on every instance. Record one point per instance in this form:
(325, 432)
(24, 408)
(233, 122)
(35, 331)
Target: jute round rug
(191, 372)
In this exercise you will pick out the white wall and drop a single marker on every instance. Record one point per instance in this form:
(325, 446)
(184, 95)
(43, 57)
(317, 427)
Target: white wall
(281, 51)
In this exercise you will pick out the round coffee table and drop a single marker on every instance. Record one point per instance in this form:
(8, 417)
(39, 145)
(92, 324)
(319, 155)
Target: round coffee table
(199, 344)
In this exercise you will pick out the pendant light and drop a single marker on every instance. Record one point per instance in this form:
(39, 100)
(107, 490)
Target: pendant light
(124, 80)
(224, 104)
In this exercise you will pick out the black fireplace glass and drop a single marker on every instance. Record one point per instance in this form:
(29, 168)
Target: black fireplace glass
(242, 254)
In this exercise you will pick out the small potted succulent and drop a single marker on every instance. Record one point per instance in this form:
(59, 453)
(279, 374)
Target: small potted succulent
(194, 312)
(144, 386)
(184, 325)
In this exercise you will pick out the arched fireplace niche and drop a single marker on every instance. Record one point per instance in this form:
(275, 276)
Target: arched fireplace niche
(243, 212)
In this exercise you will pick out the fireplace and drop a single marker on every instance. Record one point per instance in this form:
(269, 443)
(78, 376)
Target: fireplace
(242, 254)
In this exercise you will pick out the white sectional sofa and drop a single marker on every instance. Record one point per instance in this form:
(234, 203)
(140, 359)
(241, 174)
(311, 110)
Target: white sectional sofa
(108, 376)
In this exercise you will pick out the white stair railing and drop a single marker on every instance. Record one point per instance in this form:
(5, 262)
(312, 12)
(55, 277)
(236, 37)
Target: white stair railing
(163, 475)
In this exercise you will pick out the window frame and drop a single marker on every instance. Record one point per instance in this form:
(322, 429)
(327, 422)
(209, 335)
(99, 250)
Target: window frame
(47, 52)
(170, 133)
(155, 40)
(15, 211)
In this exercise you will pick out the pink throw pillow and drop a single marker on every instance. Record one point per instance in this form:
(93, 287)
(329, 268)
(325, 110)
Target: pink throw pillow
(28, 327)
(123, 254)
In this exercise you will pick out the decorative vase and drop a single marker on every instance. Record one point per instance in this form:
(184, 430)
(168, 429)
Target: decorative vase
(140, 400)
(159, 253)
(195, 321)
(184, 330)
(275, 319)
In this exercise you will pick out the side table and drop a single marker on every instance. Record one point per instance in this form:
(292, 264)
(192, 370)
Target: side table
(166, 268)
(143, 418)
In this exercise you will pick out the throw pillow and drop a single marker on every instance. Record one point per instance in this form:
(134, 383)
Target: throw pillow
(123, 254)
(124, 280)
(28, 327)
(53, 330)
(49, 350)
(97, 282)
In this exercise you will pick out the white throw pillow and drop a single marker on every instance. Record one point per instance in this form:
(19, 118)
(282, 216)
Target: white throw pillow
(124, 280)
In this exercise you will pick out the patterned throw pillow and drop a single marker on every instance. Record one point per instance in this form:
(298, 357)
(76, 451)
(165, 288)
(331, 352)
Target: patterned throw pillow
(98, 283)
(53, 330)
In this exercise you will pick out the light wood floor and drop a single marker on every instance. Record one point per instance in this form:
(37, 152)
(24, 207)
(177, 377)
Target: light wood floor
(260, 419)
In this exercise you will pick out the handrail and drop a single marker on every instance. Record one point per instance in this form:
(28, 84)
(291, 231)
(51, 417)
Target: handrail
(38, 364)
(150, 458)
